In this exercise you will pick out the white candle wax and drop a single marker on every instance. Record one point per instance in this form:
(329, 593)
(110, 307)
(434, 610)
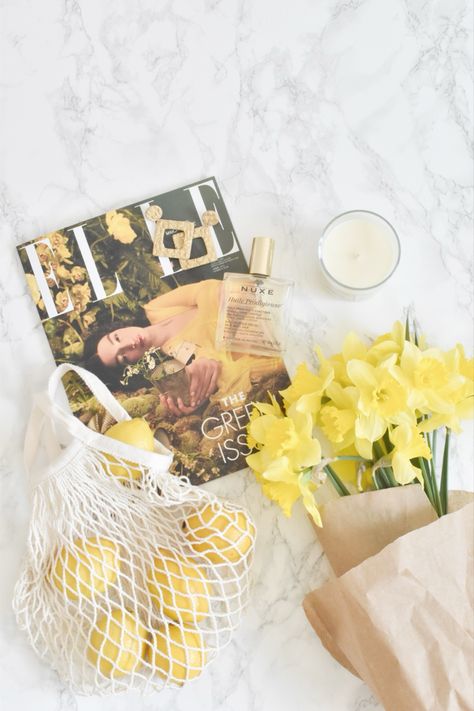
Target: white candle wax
(359, 251)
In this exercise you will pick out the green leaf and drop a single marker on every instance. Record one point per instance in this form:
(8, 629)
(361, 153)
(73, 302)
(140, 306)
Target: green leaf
(431, 488)
(433, 443)
(443, 487)
(407, 327)
(416, 335)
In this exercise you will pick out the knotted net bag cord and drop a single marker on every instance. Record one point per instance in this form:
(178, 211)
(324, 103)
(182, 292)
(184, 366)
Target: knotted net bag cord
(130, 581)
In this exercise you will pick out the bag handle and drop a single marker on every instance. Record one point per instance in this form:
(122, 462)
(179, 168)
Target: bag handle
(59, 415)
(95, 385)
(48, 413)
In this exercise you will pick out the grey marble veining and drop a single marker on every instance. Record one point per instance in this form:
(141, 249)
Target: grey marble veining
(301, 110)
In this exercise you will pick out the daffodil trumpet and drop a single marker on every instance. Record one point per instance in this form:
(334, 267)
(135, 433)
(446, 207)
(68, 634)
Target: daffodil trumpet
(369, 418)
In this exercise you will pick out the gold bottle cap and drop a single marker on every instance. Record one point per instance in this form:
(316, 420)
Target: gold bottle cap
(261, 256)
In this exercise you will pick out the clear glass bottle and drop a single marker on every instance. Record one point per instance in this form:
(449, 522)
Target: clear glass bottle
(254, 308)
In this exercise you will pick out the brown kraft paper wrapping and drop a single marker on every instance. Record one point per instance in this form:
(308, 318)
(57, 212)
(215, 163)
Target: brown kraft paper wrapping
(356, 527)
(404, 618)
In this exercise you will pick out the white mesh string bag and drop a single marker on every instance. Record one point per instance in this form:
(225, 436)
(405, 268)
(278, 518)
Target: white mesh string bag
(133, 578)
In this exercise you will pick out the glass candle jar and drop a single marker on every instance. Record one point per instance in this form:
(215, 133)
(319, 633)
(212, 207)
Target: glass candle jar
(358, 252)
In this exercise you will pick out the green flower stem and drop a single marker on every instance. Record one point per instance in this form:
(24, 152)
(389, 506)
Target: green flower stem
(427, 483)
(439, 506)
(431, 462)
(391, 478)
(431, 487)
(431, 466)
(351, 458)
(380, 479)
(379, 453)
(336, 481)
(443, 487)
(433, 447)
(391, 483)
(387, 473)
(429, 471)
(387, 442)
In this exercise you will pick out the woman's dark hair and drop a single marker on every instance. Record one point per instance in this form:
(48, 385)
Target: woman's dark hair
(110, 375)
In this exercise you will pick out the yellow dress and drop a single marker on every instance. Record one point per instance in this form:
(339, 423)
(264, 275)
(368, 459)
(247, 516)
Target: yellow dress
(239, 370)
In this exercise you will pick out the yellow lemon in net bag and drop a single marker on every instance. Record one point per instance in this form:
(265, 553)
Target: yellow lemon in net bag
(136, 432)
(219, 534)
(177, 654)
(178, 587)
(85, 568)
(117, 643)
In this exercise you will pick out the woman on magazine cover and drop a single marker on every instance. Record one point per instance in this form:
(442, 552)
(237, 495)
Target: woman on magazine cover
(182, 323)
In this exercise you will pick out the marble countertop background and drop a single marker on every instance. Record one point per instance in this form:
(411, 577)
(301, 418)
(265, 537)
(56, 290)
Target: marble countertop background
(301, 110)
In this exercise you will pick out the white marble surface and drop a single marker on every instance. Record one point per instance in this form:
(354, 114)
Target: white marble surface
(301, 110)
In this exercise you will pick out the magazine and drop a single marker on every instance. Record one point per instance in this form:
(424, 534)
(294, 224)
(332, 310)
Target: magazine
(143, 317)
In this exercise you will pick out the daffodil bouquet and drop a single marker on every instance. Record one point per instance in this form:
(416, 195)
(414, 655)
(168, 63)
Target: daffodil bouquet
(374, 416)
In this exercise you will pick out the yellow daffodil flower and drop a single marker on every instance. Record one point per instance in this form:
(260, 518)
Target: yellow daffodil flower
(367, 430)
(270, 408)
(388, 344)
(304, 382)
(408, 444)
(463, 365)
(286, 449)
(254, 415)
(289, 436)
(282, 484)
(307, 388)
(337, 417)
(278, 481)
(461, 393)
(380, 392)
(382, 401)
(336, 423)
(262, 408)
(435, 384)
(309, 502)
(359, 395)
(352, 348)
(462, 408)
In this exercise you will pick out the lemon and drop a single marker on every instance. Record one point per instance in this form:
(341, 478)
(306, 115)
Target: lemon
(178, 587)
(222, 536)
(86, 568)
(136, 432)
(116, 643)
(177, 653)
